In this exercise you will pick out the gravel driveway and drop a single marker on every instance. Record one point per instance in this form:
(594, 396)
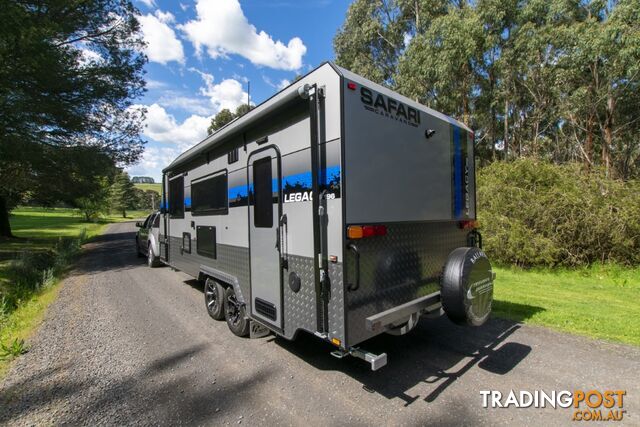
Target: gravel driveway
(125, 344)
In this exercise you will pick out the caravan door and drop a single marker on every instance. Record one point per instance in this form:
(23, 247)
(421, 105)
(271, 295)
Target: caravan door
(265, 209)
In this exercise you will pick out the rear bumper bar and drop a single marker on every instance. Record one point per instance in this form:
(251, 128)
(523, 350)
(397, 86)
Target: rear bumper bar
(393, 316)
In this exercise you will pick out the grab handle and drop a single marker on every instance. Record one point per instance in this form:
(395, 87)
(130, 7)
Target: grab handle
(283, 230)
(352, 247)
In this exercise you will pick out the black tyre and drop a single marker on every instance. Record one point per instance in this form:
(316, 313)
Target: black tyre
(214, 298)
(152, 259)
(467, 287)
(234, 312)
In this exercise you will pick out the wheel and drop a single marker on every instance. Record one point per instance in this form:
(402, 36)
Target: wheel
(138, 252)
(152, 260)
(234, 312)
(467, 287)
(214, 298)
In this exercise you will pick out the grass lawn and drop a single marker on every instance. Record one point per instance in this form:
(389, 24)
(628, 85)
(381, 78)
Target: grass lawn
(157, 187)
(600, 301)
(38, 230)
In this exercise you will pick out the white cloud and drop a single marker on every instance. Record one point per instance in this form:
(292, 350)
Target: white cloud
(228, 93)
(153, 160)
(166, 17)
(161, 126)
(222, 29)
(162, 44)
(200, 106)
(156, 84)
(283, 83)
(149, 3)
(279, 86)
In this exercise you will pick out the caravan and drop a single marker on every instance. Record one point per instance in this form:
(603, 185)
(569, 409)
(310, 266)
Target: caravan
(337, 207)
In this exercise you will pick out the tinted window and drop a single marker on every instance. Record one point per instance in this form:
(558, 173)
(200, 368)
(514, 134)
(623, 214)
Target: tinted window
(146, 222)
(209, 196)
(176, 198)
(156, 221)
(263, 196)
(232, 157)
(206, 241)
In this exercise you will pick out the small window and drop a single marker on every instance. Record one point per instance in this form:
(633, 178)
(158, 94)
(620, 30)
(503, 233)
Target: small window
(233, 155)
(206, 241)
(209, 196)
(186, 243)
(263, 193)
(176, 197)
(156, 221)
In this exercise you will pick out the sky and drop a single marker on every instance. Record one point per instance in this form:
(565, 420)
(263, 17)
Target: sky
(202, 53)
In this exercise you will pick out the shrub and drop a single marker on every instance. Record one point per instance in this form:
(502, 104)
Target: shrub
(537, 213)
(31, 272)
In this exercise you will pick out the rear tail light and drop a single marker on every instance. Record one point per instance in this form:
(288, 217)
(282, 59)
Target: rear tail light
(361, 231)
(468, 224)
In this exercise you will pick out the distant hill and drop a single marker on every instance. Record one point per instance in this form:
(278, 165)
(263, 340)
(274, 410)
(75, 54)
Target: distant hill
(157, 187)
(142, 180)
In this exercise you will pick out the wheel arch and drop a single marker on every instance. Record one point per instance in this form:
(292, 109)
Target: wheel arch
(225, 279)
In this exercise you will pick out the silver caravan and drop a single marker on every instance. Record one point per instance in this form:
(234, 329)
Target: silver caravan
(336, 207)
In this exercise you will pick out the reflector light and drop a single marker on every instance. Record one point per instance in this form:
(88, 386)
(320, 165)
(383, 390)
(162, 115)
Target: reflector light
(354, 232)
(380, 230)
(368, 231)
(468, 224)
(336, 341)
(360, 231)
(351, 85)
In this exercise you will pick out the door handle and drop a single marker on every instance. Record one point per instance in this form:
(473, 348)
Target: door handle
(356, 285)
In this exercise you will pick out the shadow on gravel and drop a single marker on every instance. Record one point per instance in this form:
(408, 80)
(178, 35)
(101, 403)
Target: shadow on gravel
(147, 395)
(437, 353)
(110, 252)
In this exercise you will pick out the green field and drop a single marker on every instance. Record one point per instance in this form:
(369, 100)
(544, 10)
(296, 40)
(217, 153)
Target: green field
(600, 301)
(37, 231)
(157, 187)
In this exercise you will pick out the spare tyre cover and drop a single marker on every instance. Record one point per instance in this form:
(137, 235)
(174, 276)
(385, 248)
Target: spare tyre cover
(467, 286)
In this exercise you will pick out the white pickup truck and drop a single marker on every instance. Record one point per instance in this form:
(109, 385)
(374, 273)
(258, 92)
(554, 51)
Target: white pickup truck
(147, 242)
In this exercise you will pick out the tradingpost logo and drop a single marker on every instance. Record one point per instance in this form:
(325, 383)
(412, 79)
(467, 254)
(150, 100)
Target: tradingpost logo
(585, 405)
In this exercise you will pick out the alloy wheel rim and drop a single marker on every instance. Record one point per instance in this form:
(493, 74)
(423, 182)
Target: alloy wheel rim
(233, 310)
(211, 296)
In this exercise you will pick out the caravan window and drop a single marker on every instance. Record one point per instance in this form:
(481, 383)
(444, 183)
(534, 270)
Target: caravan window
(209, 196)
(263, 196)
(176, 197)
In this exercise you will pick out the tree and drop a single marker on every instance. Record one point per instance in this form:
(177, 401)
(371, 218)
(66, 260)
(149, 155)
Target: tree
(95, 203)
(68, 75)
(123, 194)
(243, 109)
(371, 39)
(551, 79)
(219, 120)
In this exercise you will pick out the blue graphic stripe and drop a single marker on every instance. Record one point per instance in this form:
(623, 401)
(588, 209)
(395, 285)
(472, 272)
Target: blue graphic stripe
(301, 180)
(457, 173)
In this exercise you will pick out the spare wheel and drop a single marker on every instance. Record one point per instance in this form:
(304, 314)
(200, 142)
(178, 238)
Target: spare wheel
(467, 286)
